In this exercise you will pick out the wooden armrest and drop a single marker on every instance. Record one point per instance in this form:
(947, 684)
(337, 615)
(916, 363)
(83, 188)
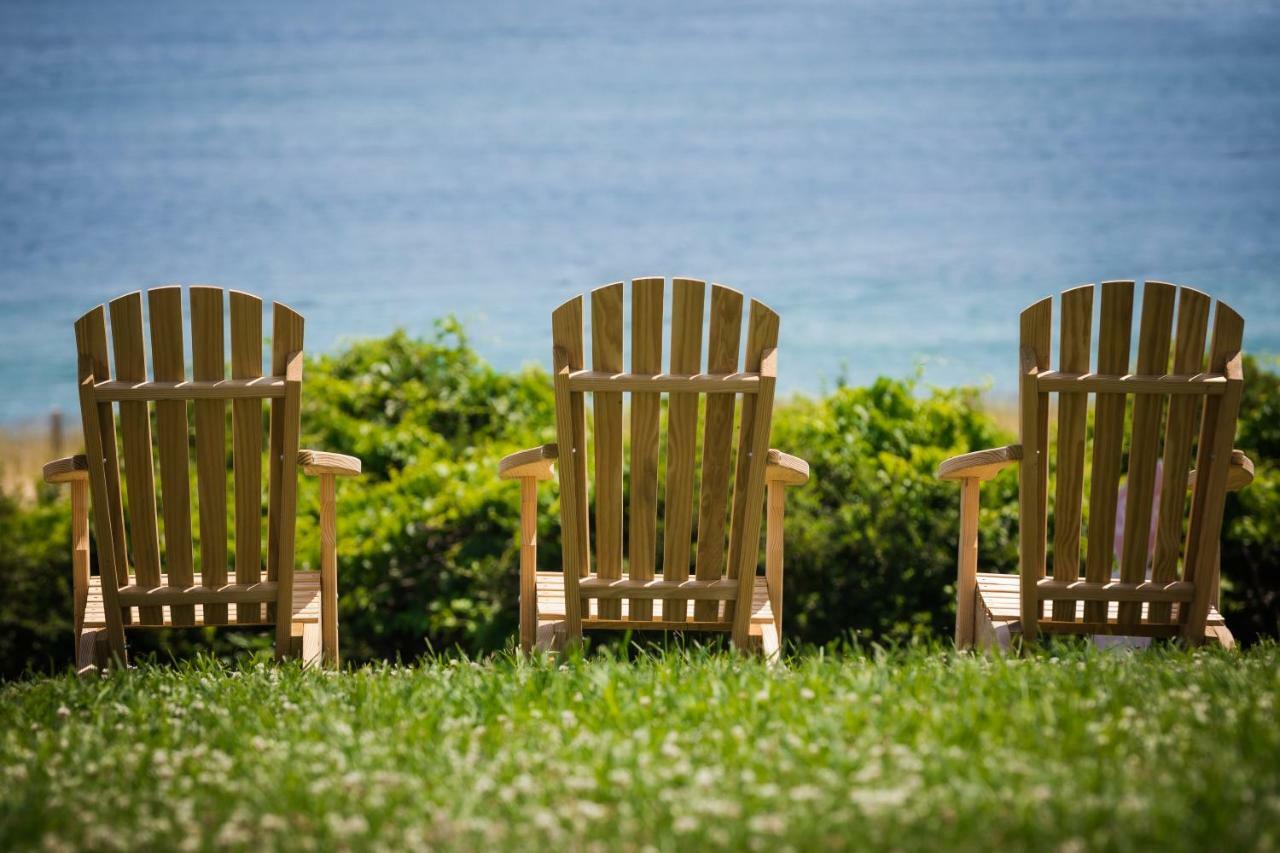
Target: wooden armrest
(786, 469)
(980, 464)
(322, 462)
(1239, 475)
(67, 469)
(536, 462)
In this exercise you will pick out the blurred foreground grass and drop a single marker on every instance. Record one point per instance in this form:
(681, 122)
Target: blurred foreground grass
(909, 749)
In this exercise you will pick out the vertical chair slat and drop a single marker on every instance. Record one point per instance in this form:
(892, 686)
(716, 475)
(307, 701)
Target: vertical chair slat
(717, 444)
(246, 438)
(91, 343)
(1188, 355)
(1033, 425)
(1213, 460)
(1144, 440)
(1073, 357)
(286, 415)
(104, 472)
(168, 365)
(139, 467)
(208, 363)
(567, 356)
(606, 355)
(1115, 330)
(682, 439)
(762, 333)
(646, 357)
(753, 450)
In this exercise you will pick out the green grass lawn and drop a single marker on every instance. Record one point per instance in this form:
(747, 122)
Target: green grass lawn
(902, 750)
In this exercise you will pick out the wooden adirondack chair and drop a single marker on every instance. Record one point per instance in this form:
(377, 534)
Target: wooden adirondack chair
(556, 606)
(163, 588)
(1148, 599)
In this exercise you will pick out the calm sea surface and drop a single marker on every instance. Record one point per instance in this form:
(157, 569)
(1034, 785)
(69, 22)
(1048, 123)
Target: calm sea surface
(897, 179)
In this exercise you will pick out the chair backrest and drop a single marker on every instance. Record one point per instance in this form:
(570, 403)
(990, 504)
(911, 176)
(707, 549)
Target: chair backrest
(1176, 395)
(140, 578)
(719, 558)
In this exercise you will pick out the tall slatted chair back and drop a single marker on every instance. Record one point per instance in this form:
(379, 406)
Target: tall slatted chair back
(1185, 399)
(150, 573)
(624, 590)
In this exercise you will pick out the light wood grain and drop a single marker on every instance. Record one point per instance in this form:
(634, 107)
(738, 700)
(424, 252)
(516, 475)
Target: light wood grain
(979, 465)
(712, 382)
(135, 428)
(79, 549)
(753, 449)
(725, 340)
(1188, 356)
(606, 356)
(1213, 461)
(785, 469)
(100, 450)
(535, 463)
(208, 364)
(775, 546)
(528, 563)
(967, 562)
(1033, 426)
(305, 607)
(688, 296)
(262, 388)
(68, 469)
(646, 407)
(321, 462)
(1122, 591)
(567, 356)
(1074, 341)
(168, 364)
(1115, 330)
(1144, 438)
(328, 570)
(286, 419)
(246, 440)
(1160, 384)
(612, 589)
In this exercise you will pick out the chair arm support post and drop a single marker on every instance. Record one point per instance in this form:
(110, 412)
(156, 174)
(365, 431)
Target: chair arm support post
(528, 563)
(329, 569)
(773, 548)
(80, 551)
(967, 563)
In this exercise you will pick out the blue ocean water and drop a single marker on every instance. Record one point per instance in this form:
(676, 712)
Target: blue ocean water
(897, 179)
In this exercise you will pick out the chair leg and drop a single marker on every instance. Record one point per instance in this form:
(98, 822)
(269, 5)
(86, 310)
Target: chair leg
(1220, 635)
(528, 563)
(770, 644)
(550, 637)
(967, 564)
(312, 644)
(328, 570)
(93, 652)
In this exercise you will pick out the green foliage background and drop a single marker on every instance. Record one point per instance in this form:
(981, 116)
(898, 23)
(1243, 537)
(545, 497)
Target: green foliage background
(428, 535)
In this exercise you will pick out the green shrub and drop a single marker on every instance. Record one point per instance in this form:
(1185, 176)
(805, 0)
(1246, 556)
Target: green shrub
(428, 551)
(35, 584)
(871, 539)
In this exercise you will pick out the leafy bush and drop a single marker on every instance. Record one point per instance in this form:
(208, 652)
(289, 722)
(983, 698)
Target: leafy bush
(871, 539)
(35, 584)
(428, 549)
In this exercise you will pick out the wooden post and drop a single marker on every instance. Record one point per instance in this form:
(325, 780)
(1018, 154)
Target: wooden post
(773, 548)
(528, 563)
(329, 569)
(967, 562)
(80, 550)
